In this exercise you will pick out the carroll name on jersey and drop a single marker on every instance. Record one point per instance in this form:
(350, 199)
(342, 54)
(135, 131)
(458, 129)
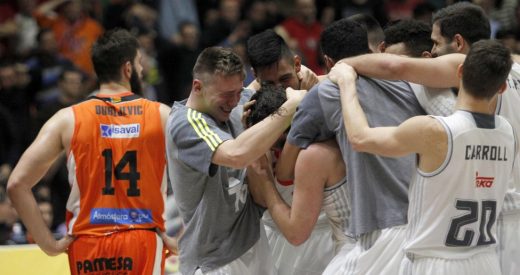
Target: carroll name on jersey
(486, 152)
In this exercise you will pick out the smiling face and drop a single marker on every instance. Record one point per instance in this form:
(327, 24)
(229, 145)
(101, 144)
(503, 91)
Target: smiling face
(221, 95)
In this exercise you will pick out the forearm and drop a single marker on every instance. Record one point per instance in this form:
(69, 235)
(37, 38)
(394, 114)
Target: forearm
(294, 231)
(353, 115)
(49, 6)
(27, 208)
(437, 72)
(255, 141)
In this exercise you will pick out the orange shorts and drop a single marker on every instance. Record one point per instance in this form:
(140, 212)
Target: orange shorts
(128, 252)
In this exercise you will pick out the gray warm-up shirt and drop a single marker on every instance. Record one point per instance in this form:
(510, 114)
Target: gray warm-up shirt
(221, 220)
(377, 186)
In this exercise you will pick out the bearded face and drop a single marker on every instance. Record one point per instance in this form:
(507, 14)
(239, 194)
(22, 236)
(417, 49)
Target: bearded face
(135, 82)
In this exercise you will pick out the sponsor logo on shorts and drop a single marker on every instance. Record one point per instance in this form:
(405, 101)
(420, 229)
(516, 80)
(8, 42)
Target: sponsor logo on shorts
(121, 264)
(120, 131)
(120, 216)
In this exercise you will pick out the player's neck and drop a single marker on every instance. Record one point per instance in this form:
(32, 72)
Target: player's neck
(469, 103)
(114, 88)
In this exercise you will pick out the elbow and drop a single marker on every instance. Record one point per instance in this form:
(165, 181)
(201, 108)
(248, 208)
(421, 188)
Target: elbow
(394, 68)
(357, 143)
(12, 187)
(297, 238)
(237, 161)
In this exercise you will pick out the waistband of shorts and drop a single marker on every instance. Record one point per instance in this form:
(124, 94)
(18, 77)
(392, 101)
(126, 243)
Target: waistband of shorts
(118, 231)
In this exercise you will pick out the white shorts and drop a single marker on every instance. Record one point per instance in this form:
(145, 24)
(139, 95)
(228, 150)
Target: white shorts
(311, 257)
(378, 252)
(480, 264)
(508, 233)
(256, 261)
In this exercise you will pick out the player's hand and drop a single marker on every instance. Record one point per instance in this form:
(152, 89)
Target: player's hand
(57, 247)
(295, 96)
(341, 72)
(262, 168)
(307, 78)
(247, 112)
(170, 243)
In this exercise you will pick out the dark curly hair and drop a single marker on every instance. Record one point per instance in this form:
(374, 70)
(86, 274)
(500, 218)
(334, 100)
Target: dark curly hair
(268, 100)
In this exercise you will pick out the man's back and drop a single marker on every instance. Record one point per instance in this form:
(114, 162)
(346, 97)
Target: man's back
(453, 209)
(116, 164)
(378, 186)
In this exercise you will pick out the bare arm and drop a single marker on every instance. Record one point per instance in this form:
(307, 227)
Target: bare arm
(165, 112)
(287, 161)
(255, 141)
(169, 242)
(296, 222)
(49, 6)
(412, 136)
(439, 72)
(33, 164)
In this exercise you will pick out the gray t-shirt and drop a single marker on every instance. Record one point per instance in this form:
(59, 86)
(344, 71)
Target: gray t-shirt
(377, 186)
(221, 220)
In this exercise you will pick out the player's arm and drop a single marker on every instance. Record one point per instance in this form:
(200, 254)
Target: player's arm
(32, 166)
(285, 164)
(296, 222)
(169, 242)
(439, 72)
(165, 112)
(409, 137)
(256, 140)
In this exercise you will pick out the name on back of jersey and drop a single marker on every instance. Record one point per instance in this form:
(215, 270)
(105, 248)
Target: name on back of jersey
(486, 152)
(120, 130)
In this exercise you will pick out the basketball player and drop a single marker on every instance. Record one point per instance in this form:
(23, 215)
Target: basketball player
(274, 64)
(464, 163)
(207, 153)
(319, 184)
(377, 187)
(116, 160)
(458, 26)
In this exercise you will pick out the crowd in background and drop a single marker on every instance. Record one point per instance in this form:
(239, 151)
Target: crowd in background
(45, 59)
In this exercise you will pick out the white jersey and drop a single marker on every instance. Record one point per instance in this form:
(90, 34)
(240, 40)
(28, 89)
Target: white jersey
(453, 209)
(335, 205)
(507, 107)
(435, 101)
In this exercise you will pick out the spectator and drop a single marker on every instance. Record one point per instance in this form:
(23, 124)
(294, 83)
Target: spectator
(176, 61)
(75, 31)
(302, 32)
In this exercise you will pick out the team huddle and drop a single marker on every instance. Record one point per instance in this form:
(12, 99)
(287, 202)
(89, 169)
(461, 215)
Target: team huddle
(392, 163)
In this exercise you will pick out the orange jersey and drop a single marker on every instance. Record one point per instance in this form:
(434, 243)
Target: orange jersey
(117, 166)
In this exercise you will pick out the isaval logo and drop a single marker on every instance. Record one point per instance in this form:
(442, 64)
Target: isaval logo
(120, 131)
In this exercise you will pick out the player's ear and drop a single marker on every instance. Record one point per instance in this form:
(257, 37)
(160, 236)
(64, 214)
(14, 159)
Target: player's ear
(426, 54)
(196, 86)
(381, 47)
(460, 69)
(502, 88)
(297, 63)
(460, 43)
